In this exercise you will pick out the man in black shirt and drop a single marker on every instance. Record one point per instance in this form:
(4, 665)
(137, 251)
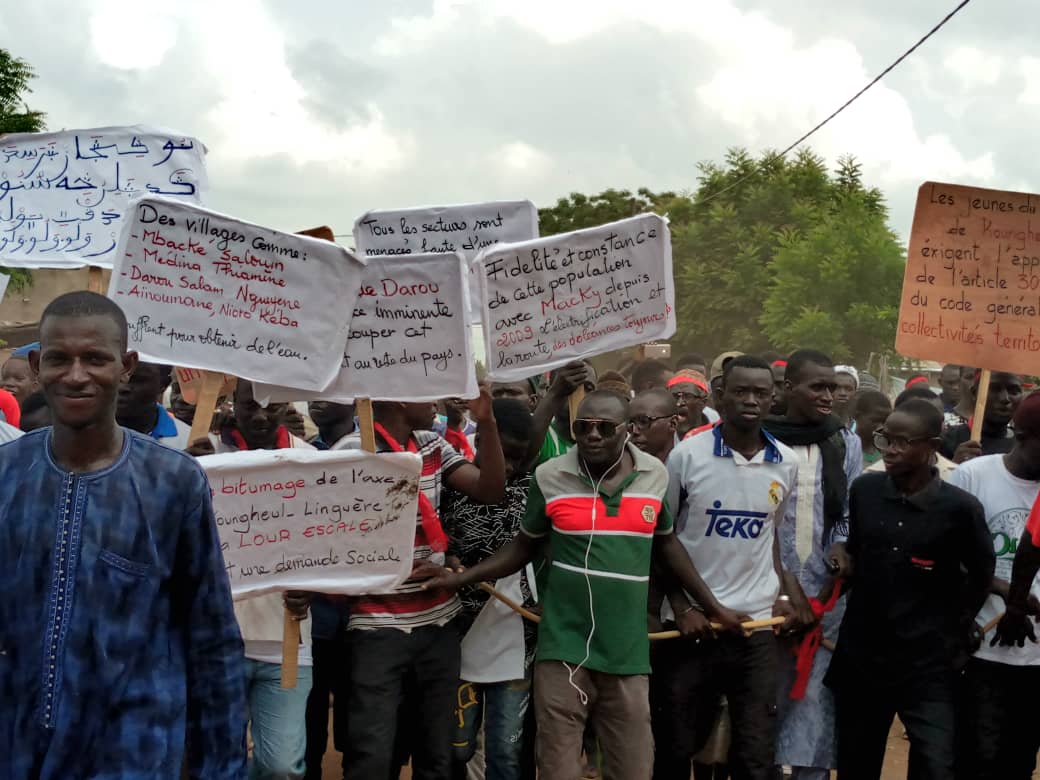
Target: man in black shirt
(1005, 393)
(921, 562)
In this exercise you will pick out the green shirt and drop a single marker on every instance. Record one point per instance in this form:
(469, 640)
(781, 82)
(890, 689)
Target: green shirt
(553, 445)
(614, 568)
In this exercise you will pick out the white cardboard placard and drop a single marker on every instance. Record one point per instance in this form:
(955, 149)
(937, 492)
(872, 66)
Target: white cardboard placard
(63, 195)
(204, 290)
(327, 522)
(553, 300)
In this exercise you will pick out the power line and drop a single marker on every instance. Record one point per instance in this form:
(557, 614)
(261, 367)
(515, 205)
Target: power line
(848, 102)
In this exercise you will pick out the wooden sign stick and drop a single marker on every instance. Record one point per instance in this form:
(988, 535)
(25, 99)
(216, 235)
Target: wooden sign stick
(95, 282)
(573, 402)
(291, 626)
(290, 650)
(205, 405)
(981, 395)
(363, 409)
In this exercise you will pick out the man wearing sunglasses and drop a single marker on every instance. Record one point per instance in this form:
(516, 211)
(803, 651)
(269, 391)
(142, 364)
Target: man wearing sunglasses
(601, 507)
(921, 568)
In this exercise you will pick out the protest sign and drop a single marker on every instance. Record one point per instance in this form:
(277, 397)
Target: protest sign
(190, 381)
(971, 292)
(63, 195)
(556, 299)
(327, 522)
(208, 291)
(409, 336)
(465, 228)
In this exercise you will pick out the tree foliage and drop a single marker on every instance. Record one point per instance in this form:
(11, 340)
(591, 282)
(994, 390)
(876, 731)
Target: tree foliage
(769, 253)
(16, 117)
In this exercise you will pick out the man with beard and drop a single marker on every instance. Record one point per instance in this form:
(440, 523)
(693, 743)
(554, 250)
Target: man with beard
(829, 458)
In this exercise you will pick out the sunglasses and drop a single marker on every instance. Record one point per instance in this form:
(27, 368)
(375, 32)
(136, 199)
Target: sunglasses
(585, 426)
(884, 441)
(642, 421)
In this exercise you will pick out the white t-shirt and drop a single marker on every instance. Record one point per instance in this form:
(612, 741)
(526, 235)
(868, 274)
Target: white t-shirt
(1006, 500)
(725, 508)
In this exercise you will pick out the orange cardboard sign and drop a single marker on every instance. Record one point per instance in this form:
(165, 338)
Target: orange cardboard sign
(190, 382)
(971, 293)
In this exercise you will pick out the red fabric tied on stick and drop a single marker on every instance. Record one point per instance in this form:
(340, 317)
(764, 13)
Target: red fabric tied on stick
(806, 652)
(431, 522)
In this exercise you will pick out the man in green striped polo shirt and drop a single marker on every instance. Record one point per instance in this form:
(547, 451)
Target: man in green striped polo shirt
(601, 508)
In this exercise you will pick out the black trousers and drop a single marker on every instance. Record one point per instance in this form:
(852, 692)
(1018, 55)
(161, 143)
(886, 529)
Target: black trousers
(397, 676)
(686, 688)
(997, 735)
(331, 678)
(866, 706)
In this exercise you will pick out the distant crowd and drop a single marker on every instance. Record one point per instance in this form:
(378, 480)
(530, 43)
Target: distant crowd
(827, 557)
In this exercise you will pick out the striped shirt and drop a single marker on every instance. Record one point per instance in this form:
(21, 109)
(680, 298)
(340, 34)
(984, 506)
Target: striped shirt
(409, 606)
(600, 546)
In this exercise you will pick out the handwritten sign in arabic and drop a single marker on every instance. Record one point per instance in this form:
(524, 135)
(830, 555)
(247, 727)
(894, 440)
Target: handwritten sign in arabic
(465, 228)
(63, 195)
(208, 291)
(971, 292)
(409, 336)
(552, 300)
(326, 522)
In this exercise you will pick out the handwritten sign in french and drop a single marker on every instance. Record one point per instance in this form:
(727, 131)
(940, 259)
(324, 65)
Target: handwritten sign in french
(63, 195)
(409, 336)
(327, 522)
(971, 293)
(208, 291)
(553, 300)
(466, 228)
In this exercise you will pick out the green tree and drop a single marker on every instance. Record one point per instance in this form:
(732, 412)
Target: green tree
(17, 117)
(836, 287)
(583, 211)
(780, 254)
(769, 253)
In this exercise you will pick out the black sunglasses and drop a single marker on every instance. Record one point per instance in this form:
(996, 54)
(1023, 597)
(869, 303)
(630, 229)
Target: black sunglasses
(584, 426)
(645, 420)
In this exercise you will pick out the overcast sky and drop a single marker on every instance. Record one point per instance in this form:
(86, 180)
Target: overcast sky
(315, 111)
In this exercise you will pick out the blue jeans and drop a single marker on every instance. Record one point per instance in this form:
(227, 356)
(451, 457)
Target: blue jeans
(278, 721)
(502, 708)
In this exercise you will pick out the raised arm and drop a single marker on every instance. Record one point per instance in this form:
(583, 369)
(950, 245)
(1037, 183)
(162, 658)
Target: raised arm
(486, 484)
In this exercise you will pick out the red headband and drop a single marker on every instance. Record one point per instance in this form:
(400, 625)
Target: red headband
(687, 376)
(916, 381)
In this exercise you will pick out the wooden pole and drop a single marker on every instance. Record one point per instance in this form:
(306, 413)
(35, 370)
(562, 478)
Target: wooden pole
(95, 281)
(290, 650)
(573, 402)
(363, 409)
(488, 588)
(981, 395)
(205, 405)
